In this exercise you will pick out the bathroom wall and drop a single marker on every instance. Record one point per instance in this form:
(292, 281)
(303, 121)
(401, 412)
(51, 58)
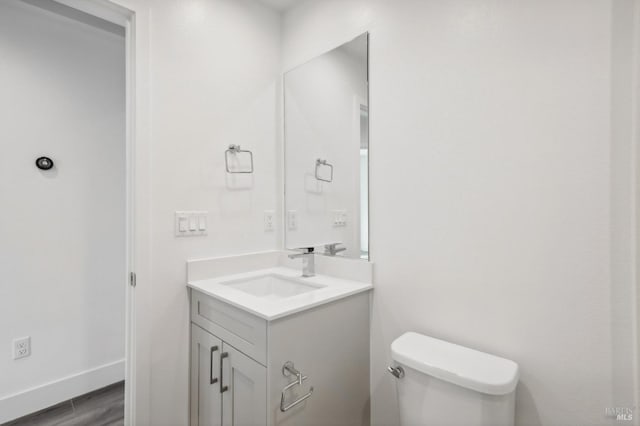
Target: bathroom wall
(323, 121)
(495, 138)
(214, 79)
(215, 67)
(490, 140)
(623, 152)
(62, 231)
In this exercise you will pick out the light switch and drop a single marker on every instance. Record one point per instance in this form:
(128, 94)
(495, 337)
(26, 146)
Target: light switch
(182, 224)
(202, 223)
(193, 223)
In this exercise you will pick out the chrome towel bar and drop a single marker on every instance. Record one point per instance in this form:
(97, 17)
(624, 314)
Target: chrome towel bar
(287, 370)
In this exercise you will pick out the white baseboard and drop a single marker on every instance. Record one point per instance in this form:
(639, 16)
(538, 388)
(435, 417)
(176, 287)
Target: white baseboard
(48, 394)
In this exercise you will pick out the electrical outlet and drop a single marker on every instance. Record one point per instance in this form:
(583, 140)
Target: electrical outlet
(21, 347)
(292, 220)
(268, 220)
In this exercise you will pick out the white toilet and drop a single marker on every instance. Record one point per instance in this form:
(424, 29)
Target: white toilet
(441, 384)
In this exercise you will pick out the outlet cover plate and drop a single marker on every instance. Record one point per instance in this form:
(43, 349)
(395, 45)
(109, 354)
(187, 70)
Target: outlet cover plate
(292, 220)
(21, 347)
(269, 216)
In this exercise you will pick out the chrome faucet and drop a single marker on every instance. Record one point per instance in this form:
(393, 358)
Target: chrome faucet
(308, 261)
(333, 249)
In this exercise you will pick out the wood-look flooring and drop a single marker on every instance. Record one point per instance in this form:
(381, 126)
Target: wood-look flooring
(103, 407)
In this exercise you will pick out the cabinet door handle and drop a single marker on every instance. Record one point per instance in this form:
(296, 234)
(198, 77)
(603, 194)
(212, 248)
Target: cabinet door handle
(212, 380)
(223, 355)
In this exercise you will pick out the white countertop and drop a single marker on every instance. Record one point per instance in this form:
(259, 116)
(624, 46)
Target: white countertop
(332, 289)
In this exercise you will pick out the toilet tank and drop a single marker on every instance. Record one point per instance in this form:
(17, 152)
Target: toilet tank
(444, 384)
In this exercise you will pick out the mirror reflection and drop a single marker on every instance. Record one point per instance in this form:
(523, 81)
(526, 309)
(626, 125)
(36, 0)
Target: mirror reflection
(327, 152)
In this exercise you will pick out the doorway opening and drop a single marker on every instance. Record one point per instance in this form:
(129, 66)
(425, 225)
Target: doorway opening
(65, 227)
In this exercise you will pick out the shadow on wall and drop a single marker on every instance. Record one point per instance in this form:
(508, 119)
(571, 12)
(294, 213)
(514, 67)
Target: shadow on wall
(366, 414)
(526, 403)
(235, 182)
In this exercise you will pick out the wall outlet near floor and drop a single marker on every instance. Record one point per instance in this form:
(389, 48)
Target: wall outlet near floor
(268, 220)
(292, 220)
(191, 224)
(339, 218)
(21, 347)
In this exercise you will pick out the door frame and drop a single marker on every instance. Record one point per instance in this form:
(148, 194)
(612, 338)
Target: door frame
(133, 15)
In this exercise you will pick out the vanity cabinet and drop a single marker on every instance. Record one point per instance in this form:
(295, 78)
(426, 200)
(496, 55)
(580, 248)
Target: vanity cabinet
(237, 363)
(227, 387)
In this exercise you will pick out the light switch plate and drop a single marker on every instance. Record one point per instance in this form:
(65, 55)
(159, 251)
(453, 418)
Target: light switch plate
(191, 223)
(339, 218)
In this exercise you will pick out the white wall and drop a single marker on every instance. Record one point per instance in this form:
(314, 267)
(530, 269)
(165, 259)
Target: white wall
(215, 74)
(492, 212)
(62, 241)
(624, 45)
(322, 101)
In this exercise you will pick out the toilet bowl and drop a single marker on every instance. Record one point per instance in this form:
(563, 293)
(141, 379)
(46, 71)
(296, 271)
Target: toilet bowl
(444, 384)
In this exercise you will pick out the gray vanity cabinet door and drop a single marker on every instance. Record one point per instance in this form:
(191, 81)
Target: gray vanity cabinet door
(244, 402)
(206, 401)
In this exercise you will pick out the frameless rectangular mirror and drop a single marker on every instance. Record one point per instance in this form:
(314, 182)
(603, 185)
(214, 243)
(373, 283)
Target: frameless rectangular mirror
(326, 117)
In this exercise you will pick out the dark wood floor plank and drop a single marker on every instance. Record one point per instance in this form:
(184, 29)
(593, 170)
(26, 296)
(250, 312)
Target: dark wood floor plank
(47, 417)
(103, 407)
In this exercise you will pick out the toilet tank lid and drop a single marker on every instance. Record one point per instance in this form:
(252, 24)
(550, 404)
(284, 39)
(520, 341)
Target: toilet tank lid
(456, 364)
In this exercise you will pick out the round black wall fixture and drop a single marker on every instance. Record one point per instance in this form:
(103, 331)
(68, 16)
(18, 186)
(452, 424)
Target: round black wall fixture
(44, 163)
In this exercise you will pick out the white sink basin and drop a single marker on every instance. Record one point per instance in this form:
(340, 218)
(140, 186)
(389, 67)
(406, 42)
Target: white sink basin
(272, 286)
(277, 292)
